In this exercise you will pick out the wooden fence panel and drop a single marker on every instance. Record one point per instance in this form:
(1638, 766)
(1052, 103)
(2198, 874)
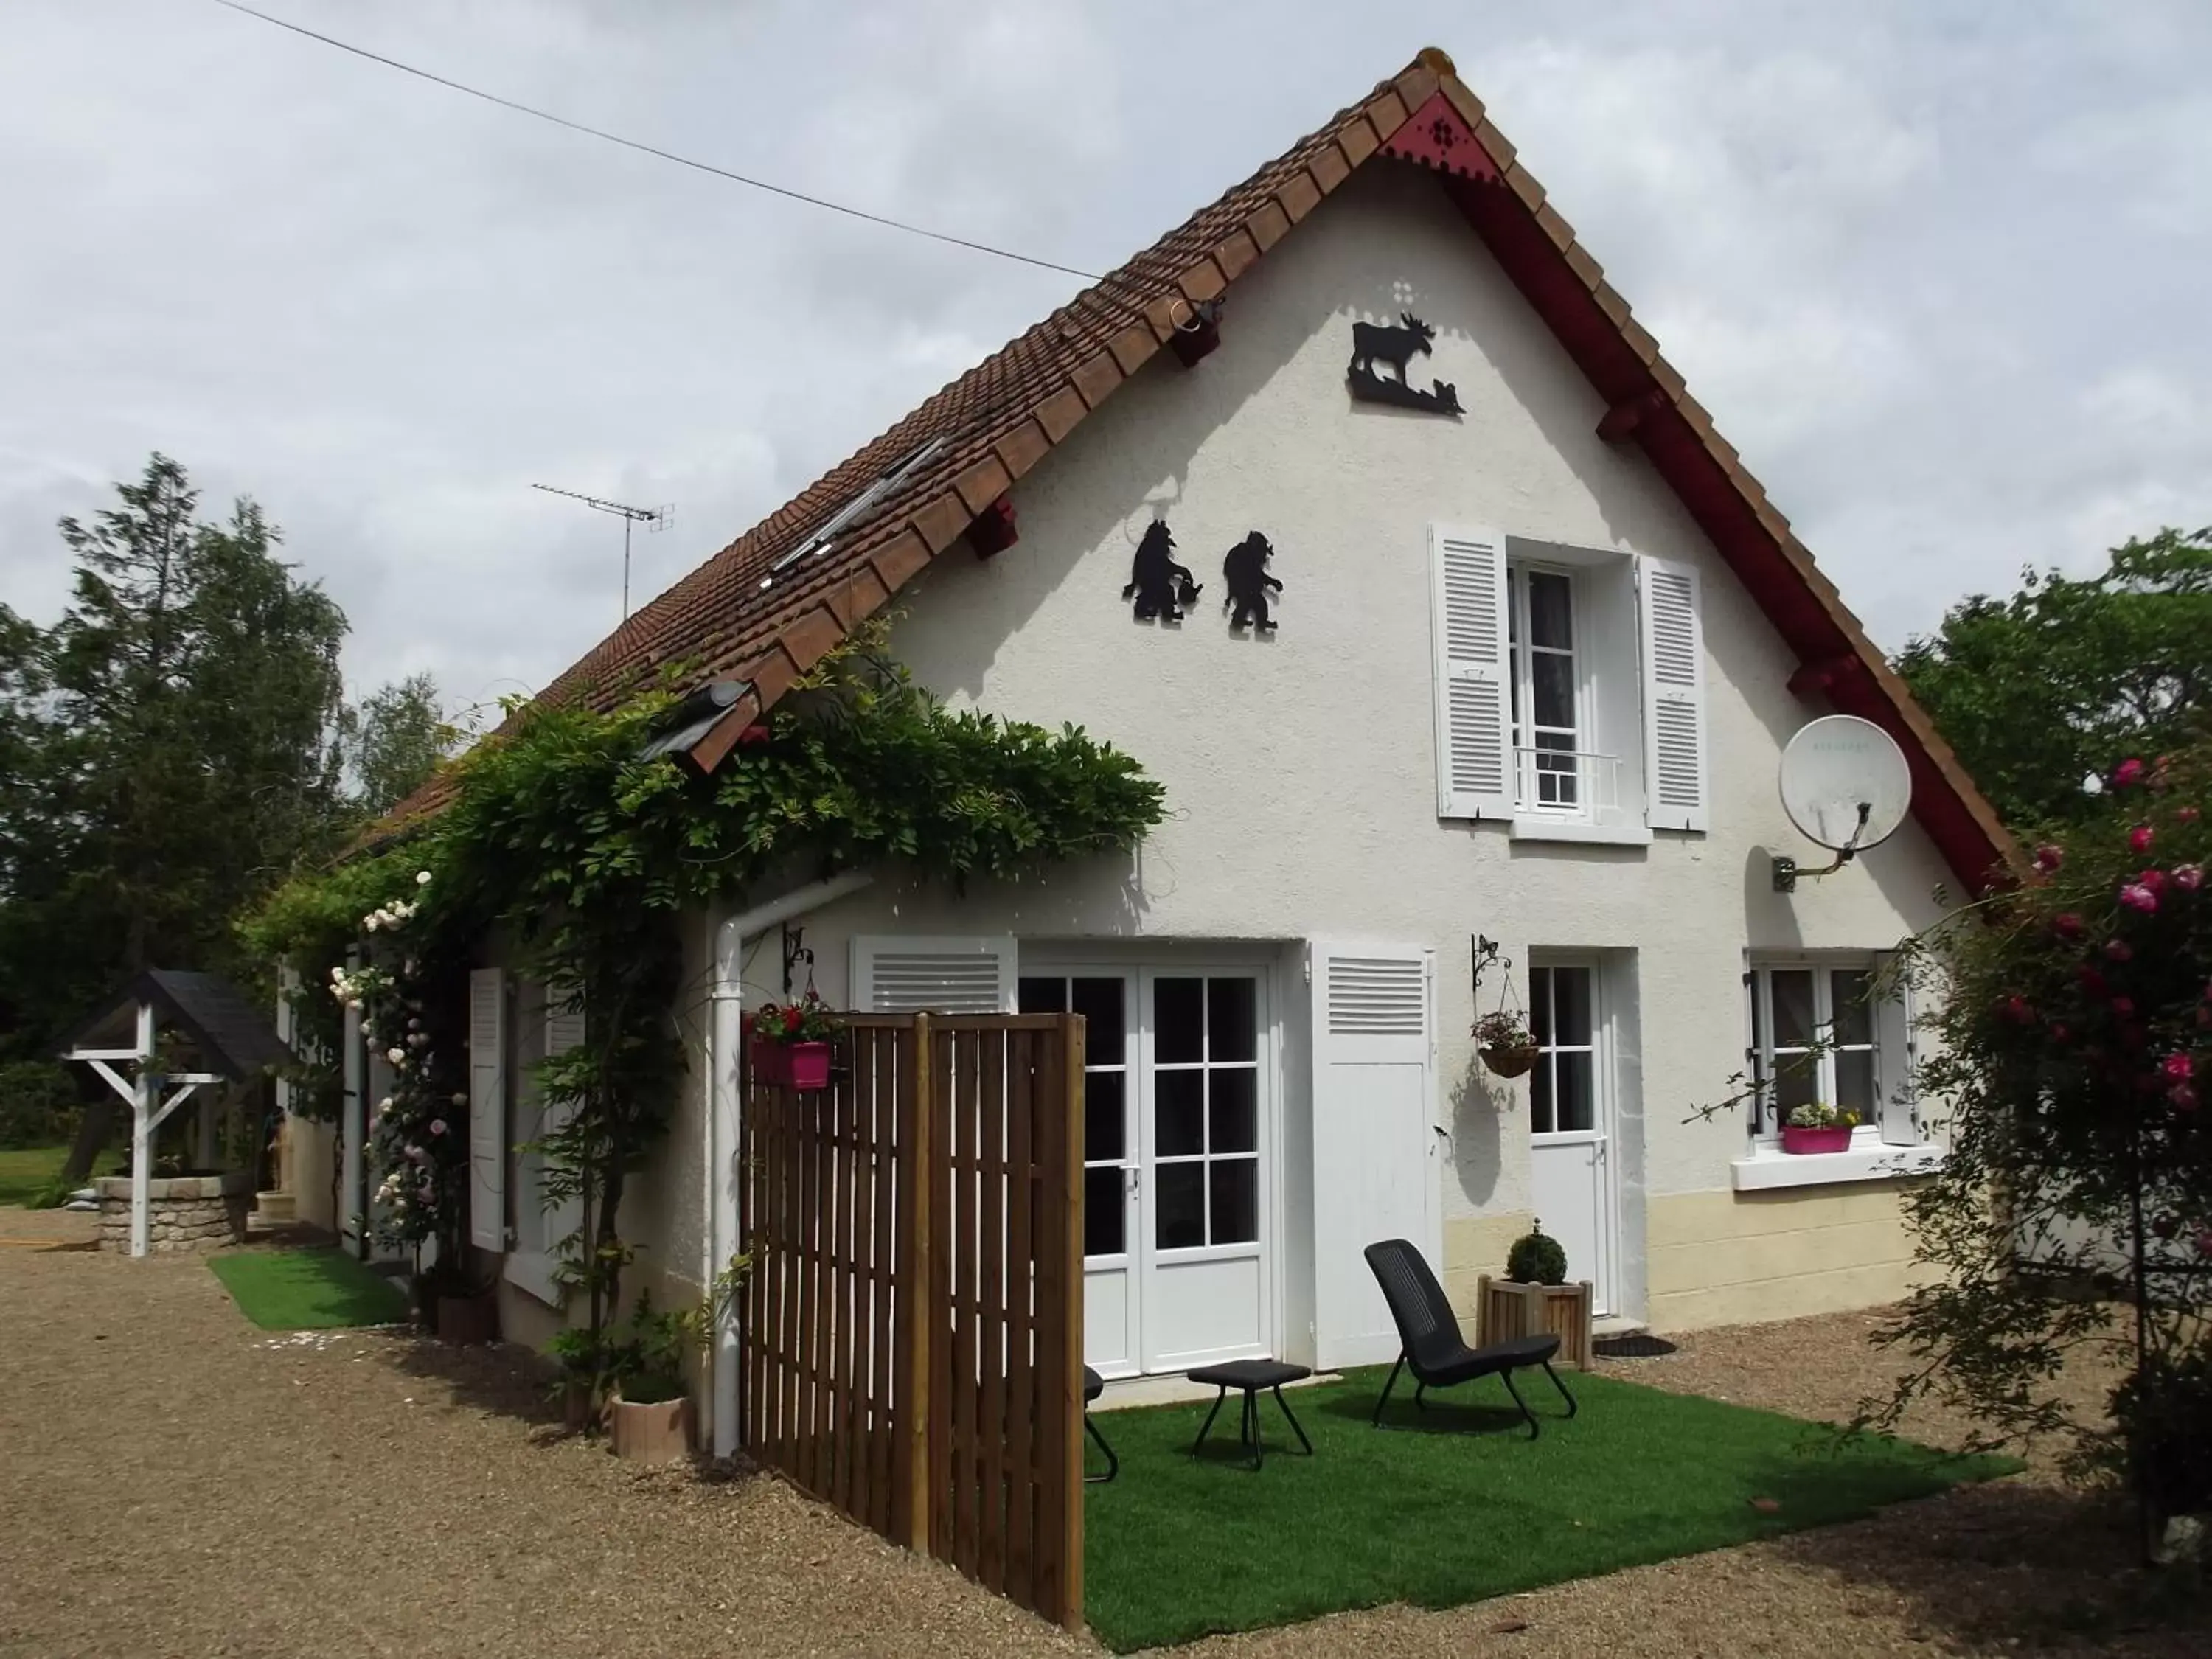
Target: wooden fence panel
(914, 1320)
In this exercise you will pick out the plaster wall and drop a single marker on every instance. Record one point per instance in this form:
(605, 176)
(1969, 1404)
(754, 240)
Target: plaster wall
(1300, 769)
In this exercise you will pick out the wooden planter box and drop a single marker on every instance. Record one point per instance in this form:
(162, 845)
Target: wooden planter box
(1505, 1310)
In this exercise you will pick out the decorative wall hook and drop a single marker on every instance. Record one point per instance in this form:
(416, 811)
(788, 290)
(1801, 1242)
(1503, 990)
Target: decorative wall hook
(1197, 335)
(1396, 345)
(795, 951)
(1160, 586)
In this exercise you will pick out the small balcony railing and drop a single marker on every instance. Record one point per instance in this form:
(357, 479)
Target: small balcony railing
(1571, 782)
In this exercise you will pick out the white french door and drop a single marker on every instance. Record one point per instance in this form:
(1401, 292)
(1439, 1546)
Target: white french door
(1177, 1087)
(1570, 1123)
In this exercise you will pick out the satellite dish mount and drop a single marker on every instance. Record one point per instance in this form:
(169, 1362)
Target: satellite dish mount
(1845, 785)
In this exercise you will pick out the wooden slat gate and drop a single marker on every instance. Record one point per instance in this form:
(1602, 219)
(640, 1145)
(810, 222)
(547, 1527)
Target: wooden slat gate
(914, 1319)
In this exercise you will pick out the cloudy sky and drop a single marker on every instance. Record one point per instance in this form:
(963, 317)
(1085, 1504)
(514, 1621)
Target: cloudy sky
(1936, 268)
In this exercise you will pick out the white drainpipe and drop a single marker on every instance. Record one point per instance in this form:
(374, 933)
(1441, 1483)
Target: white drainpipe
(725, 1043)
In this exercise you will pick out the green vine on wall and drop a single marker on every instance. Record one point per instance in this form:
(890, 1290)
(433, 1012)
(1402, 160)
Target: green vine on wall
(560, 832)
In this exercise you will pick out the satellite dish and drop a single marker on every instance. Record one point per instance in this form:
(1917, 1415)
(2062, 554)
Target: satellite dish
(1846, 786)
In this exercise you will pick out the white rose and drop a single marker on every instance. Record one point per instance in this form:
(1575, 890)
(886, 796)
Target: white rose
(422, 878)
(395, 1055)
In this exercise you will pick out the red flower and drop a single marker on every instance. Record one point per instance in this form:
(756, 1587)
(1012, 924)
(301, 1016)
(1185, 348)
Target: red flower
(791, 1017)
(2154, 879)
(2187, 815)
(2204, 1242)
(2048, 857)
(2118, 950)
(2139, 838)
(2094, 983)
(2183, 1096)
(2189, 876)
(2019, 1011)
(2127, 772)
(2136, 897)
(2066, 925)
(2178, 1067)
(2122, 1007)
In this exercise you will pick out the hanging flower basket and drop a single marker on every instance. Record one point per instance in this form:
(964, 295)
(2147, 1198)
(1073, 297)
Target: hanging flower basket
(1515, 1062)
(791, 1044)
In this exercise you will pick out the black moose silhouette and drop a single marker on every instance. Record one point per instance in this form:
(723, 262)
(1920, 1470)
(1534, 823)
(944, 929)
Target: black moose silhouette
(1245, 570)
(1160, 586)
(1390, 344)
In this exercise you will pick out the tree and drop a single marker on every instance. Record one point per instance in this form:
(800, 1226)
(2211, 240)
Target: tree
(2040, 690)
(171, 753)
(2072, 1211)
(394, 740)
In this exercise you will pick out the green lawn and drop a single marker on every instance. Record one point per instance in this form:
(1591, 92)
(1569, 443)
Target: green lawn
(1452, 1504)
(308, 1290)
(26, 1171)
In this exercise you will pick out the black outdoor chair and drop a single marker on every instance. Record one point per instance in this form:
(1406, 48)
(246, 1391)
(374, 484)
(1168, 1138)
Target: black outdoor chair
(1429, 1340)
(1093, 1386)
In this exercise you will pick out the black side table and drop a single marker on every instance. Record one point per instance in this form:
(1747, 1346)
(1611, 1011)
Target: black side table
(1250, 1376)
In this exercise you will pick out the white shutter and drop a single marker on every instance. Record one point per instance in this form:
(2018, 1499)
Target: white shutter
(895, 975)
(487, 1108)
(1474, 714)
(1375, 1141)
(1896, 1064)
(564, 1019)
(1675, 785)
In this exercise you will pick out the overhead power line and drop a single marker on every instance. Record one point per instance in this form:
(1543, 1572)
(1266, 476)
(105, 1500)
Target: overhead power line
(783, 191)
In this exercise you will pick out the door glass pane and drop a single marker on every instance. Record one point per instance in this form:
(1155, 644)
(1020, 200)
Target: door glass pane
(1573, 1100)
(1236, 1109)
(1539, 1097)
(1178, 1114)
(1571, 1006)
(1855, 1082)
(1103, 1214)
(1551, 609)
(1231, 1031)
(1539, 1006)
(1042, 996)
(1181, 1190)
(1847, 988)
(1099, 1002)
(1103, 1118)
(1793, 1006)
(1178, 1020)
(1236, 1200)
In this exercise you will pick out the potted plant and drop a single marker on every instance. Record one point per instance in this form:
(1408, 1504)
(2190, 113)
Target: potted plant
(791, 1043)
(1507, 1047)
(650, 1413)
(1816, 1126)
(1534, 1299)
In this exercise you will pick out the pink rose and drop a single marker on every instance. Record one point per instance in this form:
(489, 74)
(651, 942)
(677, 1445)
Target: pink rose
(2187, 815)
(437, 1126)
(2048, 857)
(2127, 772)
(2136, 897)
(2189, 876)
(2154, 879)
(2178, 1067)
(2139, 838)
(2118, 950)
(2066, 925)
(2019, 1011)
(2093, 984)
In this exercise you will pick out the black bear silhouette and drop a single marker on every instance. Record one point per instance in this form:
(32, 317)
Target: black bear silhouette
(1160, 586)
(1245, 570)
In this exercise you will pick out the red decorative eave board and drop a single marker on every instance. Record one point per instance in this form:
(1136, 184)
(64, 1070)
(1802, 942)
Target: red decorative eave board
(1437, 136)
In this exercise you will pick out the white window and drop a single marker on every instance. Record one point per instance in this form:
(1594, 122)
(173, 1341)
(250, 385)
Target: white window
(1828, 1032)
(1103, 1000)
(1554, 770)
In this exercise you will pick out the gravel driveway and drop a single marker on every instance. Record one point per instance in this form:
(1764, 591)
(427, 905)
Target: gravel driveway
(173, 1481)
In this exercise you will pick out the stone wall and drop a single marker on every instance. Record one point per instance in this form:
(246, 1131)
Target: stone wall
(184, 1213)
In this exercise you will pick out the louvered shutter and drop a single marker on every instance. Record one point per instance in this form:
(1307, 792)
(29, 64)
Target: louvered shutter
(1674, 784)
(895, 975)
(1474, 715)
(488, 1108)
(564, 1030)
(1375, 1139)
(1896, 1063)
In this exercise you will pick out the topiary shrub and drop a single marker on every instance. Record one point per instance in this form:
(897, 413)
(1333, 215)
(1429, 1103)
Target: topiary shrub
(1537, 1258)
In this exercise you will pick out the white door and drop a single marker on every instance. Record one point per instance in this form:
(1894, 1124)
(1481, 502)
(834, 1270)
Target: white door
(1570, 1122)
(1202, 1199)
(1374, 1136)
(1107, 998)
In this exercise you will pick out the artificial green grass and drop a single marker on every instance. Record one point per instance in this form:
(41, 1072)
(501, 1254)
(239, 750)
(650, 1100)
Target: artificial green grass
(308, 1290)
(27, 1171)
(1452, 1504)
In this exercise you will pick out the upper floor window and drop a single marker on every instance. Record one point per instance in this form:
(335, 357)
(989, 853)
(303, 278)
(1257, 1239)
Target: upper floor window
(1569, 687)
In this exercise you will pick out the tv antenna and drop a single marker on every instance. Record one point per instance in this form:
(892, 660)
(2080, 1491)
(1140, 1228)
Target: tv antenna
(655, 519)
(1846, 786)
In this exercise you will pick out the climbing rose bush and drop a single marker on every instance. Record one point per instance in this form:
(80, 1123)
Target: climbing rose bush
(2074, 1070)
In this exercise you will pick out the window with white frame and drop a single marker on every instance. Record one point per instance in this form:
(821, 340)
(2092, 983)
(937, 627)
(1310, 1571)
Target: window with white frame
(1561, 1018)
(1554, 769)
(1828, 1032)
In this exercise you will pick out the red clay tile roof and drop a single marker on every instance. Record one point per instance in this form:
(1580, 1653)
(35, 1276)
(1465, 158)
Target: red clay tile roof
(1002, 417)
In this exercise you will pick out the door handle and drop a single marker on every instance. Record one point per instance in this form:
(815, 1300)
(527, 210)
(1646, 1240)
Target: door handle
(1136, 1180)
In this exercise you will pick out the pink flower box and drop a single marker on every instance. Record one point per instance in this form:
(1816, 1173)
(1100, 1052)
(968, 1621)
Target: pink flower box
(791, 1065)
(1837, 1139)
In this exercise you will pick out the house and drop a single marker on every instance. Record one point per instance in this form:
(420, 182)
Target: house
(1538, 643)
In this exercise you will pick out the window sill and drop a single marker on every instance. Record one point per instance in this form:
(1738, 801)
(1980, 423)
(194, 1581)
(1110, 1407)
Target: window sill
(1534, 826)
(1772, 1167)
(531, 1272)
